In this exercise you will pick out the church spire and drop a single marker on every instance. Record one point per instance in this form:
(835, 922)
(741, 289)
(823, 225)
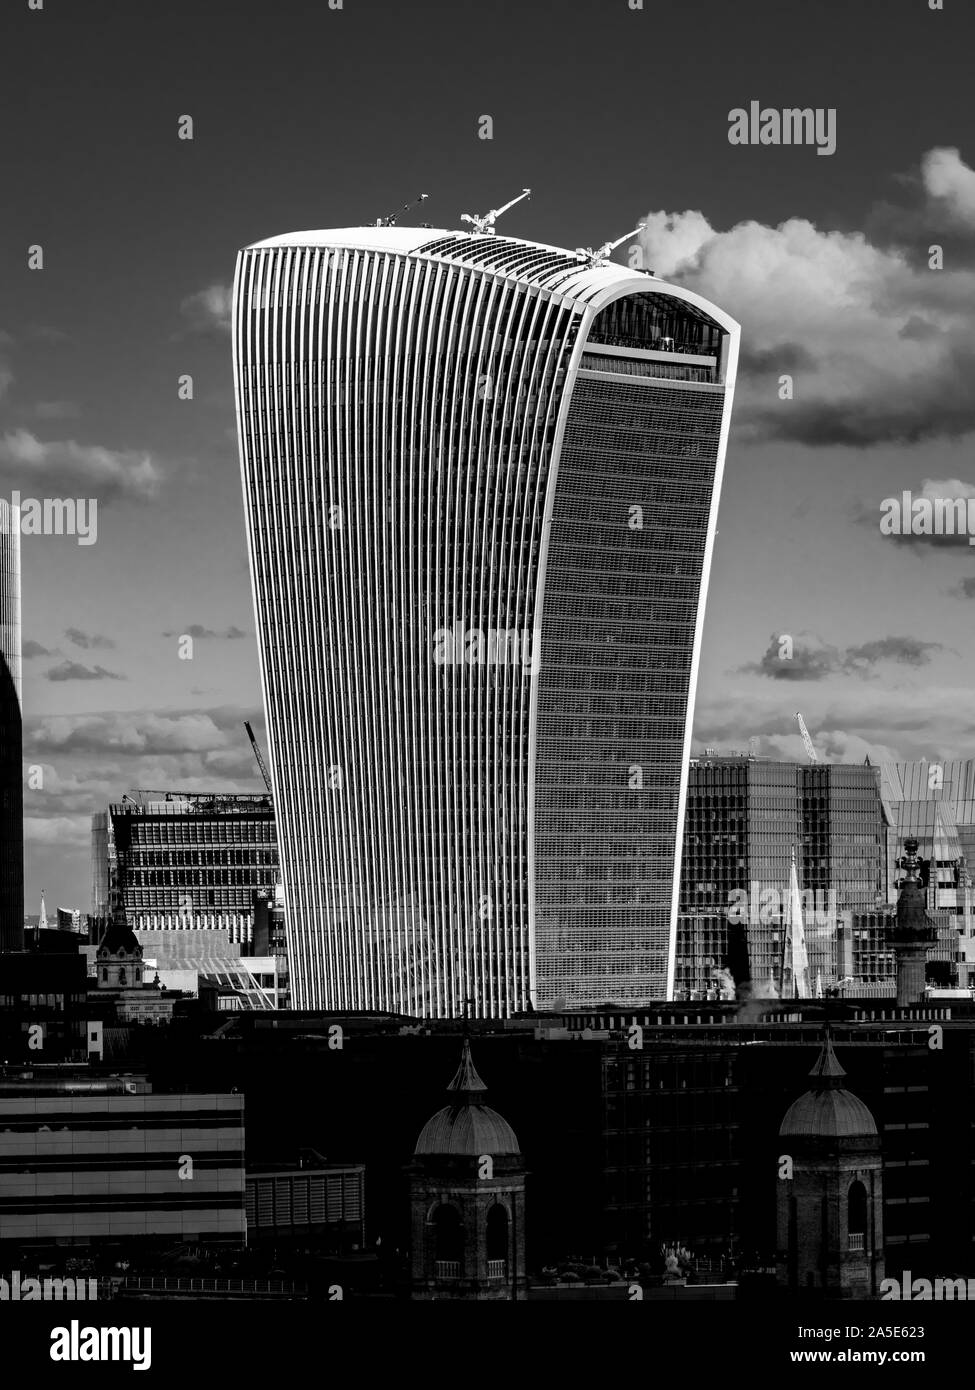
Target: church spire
(796, 957)
(826, 1070)
(466, 1084)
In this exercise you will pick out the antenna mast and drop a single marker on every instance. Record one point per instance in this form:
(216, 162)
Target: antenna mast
(484, 226)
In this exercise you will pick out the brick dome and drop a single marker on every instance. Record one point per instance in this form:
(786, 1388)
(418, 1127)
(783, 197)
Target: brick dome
(467, 1126)
(828, 1110)
(828, 1115)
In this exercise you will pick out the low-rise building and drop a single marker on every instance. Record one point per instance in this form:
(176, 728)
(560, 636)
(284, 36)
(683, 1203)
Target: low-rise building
(89, 1159)
(308, 1198)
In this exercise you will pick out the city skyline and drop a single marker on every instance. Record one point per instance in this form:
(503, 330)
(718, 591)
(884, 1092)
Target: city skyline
(93, 349)
(487, 762)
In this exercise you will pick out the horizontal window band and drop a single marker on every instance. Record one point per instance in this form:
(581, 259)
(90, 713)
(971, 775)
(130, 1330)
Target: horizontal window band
(77, 1163)
(135, 1120)
(145, 1201)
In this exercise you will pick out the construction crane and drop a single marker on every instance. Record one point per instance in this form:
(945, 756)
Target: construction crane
(257, 754)
(484, 226)
(807, 741)
(390, 221)
(603, 253)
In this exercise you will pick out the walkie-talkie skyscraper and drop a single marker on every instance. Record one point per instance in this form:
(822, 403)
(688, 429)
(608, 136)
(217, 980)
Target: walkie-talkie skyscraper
(481, 481)
(11, 736)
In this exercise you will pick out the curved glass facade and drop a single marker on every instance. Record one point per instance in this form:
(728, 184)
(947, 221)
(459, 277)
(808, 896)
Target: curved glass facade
(11, 736)
(478, 669)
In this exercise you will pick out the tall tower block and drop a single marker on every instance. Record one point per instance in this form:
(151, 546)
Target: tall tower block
(11, 736)
(480, 481)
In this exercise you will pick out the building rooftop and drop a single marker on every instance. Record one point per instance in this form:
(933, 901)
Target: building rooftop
(828, 1110)
(174, 802)
(119, 937)
(554, 268)
(467, 1127)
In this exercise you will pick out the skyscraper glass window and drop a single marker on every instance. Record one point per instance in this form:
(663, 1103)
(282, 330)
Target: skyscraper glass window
(480, 481)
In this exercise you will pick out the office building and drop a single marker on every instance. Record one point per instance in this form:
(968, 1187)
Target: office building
(89, 1159)
(11, 736)
(934, 803)
(745, 818)
(104, 868)
(43, 1003)
(197, 960)
(309, 1200)
(480, 482)
(184, 861)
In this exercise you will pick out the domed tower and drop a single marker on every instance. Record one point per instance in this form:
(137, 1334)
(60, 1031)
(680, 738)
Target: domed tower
(467, 1191)
(119, 958)
(830, 1190)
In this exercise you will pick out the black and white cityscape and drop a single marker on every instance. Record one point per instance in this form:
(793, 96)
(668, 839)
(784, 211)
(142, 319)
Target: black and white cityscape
(487, 773)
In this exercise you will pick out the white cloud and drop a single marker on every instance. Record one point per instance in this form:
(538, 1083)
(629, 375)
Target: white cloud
(912, 719)
(61, 466)
(58, 831)
(879, 347)
(209, 309)
(947, 177)
(128, 733)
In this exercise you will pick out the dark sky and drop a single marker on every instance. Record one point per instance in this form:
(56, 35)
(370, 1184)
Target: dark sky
(310, 117)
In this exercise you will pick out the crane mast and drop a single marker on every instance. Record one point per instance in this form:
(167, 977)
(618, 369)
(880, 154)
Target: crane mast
(603, 253)
(390, 221)
(807, 741)
(484, 226)
(257, 754)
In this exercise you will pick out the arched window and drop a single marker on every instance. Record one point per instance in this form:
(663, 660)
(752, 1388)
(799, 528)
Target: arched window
(448, 1240)
(497, 1233)
(857, 1215)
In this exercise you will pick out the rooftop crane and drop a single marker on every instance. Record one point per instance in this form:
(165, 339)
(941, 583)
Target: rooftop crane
(807, 741)
(484, 226)
(603, 253)
(390, 221)
(257, 754)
